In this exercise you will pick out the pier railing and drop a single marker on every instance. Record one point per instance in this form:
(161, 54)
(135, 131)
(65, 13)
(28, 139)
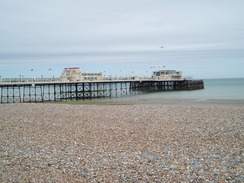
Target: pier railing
(38, 80)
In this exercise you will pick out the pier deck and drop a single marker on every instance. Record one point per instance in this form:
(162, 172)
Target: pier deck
(18, 92)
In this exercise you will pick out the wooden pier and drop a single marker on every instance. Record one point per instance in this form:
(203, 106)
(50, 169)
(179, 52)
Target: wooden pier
(19, 92)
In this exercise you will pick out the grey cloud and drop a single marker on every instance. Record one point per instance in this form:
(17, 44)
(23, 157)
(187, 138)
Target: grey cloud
(121, 31)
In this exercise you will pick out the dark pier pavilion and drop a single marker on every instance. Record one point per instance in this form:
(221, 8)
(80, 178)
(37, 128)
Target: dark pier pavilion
(18, 92)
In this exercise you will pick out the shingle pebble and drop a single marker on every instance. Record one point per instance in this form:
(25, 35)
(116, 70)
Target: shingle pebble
(120, 143)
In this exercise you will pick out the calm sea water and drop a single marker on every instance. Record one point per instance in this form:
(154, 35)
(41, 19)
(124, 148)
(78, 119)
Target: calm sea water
(230, 89)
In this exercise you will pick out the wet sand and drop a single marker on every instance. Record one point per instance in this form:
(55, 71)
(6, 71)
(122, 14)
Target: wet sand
(177, 102)
(121, 143)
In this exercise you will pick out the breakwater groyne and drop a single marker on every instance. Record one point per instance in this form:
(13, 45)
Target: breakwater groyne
(18, 92)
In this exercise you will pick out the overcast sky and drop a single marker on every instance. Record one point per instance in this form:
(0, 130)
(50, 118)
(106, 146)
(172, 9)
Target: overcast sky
(202, 38)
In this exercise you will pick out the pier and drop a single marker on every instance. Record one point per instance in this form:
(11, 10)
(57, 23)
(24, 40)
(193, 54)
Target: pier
(48, 91)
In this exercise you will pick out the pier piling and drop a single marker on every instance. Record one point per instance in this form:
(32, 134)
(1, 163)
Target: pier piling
(74, 91)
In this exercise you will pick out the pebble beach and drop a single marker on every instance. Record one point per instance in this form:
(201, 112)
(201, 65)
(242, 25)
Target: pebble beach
(47, 142)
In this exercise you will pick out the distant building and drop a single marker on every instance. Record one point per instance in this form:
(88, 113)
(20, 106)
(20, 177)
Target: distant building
(91, 76)
(167, 75)
(74, 74)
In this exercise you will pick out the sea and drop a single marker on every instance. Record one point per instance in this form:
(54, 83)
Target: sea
(216, 91)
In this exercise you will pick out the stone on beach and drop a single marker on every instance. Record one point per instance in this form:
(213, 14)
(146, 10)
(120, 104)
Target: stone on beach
(124, 143)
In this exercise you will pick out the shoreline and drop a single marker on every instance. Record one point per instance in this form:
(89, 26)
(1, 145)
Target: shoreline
(150, 102)
(175, 102)
(162, 102)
